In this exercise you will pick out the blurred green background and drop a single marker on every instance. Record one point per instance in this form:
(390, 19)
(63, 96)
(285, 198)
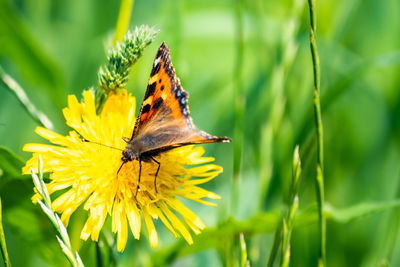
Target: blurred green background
(55, 48)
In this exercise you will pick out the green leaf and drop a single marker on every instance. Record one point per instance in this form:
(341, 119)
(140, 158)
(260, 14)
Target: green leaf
(344, 215)
(358, 211)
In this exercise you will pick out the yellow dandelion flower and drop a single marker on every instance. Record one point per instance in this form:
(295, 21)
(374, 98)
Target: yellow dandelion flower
(87, 174)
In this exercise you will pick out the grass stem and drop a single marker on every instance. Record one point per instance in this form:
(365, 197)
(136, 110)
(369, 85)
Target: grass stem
(45, 204)
(239, 108)
(273, 98)
(319, 130)
(22, 97)
(3, 245)
(275, 246)
(99, 255)
(284, 231)
(244, 262)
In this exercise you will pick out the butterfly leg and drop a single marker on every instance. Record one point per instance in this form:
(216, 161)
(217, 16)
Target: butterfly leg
(155, 176)
(140, 174)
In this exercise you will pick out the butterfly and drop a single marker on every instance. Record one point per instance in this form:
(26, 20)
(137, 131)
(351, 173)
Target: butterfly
(164, 120)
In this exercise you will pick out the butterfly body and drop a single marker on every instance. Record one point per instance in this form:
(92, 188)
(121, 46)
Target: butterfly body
(136, 149)
(164, 120)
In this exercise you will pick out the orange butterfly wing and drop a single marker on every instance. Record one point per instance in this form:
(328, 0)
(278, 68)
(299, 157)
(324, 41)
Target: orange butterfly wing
(164, 120)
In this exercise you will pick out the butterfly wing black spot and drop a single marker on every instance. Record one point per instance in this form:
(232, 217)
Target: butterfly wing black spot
(150, 90)
(146, 108)
(158, 103)
(155, 69)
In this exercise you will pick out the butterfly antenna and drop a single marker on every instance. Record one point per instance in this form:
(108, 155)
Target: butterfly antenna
(88, 141)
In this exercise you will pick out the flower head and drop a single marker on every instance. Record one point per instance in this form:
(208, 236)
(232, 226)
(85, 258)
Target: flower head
(86, 173)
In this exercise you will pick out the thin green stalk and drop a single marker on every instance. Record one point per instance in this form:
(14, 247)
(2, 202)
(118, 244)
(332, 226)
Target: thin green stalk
(239, 106)
(3, 245)
(273, 99)
(99, 256)
(284, 231)
(124, 16)
(239, 100)
(287, 232)
(244, 262)
(45, 204)
(288, 221)
(15, 88)
(319, 131)
(275, 246)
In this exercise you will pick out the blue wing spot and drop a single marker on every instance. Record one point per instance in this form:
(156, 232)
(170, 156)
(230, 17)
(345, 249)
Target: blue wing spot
(178, 92)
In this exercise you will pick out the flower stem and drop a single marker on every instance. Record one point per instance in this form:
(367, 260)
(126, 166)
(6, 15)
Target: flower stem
(319, 130)
(3, 246)
(124, 16)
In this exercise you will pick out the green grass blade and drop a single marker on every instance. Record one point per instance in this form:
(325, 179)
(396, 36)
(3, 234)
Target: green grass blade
(244, 262)
(239, 104)
(45, 204)
(17, 90)
(3, 245)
